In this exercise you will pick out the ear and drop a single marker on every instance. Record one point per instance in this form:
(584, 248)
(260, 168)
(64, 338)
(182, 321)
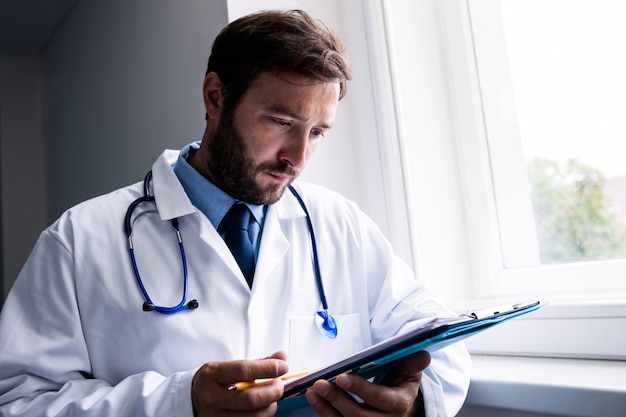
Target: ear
(212, 94)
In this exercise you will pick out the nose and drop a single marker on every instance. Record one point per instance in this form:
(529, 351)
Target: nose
(295, 151)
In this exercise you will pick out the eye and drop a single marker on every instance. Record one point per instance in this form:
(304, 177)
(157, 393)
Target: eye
(317, 133)
(280, 122)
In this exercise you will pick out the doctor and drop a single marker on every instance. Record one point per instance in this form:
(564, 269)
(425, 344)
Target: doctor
(93, 329)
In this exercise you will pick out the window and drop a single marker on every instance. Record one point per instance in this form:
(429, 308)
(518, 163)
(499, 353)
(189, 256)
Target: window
(496, 130)
(551, 88)
(520, 143)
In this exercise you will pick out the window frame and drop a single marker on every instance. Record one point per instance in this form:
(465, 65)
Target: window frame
(460, 263)
(498, 120)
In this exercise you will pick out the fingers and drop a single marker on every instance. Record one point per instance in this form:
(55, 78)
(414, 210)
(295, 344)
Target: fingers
(323, 398)
(210, 395)
(395, 396)
(229, 372)
(397, 399)
(331, 400)
(282, 355)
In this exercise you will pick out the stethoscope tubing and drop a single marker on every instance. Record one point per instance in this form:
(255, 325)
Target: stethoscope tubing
(316, 262)
(149, 305)
(326, 322)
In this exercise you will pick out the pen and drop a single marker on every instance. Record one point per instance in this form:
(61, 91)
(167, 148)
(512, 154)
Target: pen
(240, 386)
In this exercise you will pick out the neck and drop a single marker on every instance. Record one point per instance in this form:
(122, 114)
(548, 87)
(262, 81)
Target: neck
(198, 159)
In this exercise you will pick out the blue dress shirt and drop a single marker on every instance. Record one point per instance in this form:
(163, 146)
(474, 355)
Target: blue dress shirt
(211, 200)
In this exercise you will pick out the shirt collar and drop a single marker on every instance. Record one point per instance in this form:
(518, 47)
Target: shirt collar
(203, 194)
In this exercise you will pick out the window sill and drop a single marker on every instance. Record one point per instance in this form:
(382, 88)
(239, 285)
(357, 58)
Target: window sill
(559, 330)
(562, 387)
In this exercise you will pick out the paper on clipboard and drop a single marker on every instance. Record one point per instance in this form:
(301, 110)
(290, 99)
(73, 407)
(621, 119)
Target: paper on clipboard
(434, 335)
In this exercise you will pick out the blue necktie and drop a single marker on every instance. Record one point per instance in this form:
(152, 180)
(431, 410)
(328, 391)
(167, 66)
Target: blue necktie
(235, 224)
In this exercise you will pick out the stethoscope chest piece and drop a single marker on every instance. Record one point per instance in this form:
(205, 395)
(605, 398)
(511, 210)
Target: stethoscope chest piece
(326, 324)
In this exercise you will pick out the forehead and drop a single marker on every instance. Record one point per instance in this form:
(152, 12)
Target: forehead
(299, 94)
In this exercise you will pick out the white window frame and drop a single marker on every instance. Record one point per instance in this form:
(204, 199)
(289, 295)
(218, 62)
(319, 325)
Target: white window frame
(448, 171)
(499, 127)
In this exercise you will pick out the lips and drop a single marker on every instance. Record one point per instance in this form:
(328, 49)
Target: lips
(283, 173)
(280, 176)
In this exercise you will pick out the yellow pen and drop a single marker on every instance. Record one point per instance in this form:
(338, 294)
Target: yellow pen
(240, 386)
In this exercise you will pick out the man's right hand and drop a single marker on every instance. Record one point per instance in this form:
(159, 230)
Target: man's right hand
(209, 390)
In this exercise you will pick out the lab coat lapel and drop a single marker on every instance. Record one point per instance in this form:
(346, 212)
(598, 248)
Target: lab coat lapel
(274, 243)
(172, 202)
(222, 253)
(169, 194)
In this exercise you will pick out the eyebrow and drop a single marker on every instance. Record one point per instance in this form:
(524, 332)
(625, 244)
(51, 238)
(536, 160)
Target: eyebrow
(285, 111)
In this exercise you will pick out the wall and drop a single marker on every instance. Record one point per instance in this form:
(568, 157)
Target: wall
(124, 83)
(117, 84)
(21, 162)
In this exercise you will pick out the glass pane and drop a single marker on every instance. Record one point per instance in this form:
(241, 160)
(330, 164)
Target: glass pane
(567, 66)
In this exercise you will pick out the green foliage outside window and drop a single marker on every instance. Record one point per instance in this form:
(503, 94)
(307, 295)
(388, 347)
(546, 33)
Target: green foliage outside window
(574, 218)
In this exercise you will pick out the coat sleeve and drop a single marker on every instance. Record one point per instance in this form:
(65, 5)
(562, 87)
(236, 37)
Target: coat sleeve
(399, 303)
(45, 366)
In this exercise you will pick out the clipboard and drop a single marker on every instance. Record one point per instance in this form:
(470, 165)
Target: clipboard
(434, 335)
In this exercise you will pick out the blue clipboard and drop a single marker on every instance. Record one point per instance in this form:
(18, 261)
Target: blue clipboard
(435, 335)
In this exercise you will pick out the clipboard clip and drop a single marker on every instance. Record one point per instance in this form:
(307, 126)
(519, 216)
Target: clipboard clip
(493, 311)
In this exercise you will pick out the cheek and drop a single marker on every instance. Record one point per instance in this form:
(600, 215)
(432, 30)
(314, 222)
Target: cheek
(311, 148)
(256, 140)
(261, 150)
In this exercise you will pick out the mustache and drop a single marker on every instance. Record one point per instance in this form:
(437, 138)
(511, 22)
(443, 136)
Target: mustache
(281, 168)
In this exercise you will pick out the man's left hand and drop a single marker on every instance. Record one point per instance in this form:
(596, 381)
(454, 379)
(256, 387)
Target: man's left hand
(396, 395)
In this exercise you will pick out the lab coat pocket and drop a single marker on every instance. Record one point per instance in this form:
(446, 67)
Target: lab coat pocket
(310, 349)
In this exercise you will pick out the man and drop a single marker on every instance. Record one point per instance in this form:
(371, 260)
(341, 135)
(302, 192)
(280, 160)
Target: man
(76, 341)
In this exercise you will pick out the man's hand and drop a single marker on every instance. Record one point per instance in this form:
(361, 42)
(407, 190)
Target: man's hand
(209, 390)
(395, 396)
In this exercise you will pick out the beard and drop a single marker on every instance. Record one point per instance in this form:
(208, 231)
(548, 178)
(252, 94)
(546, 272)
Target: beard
(233, 169)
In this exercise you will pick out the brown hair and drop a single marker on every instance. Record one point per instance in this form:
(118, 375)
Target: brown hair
(276, 42)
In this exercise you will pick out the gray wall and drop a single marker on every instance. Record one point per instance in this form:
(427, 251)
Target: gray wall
(22, 162)
(118, 83)
(124, 82)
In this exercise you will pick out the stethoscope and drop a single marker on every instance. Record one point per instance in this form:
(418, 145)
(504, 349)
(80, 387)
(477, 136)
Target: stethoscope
(325, 321)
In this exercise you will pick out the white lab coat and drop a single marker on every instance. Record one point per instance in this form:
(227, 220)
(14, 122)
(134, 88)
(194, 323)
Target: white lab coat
(75, 309)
